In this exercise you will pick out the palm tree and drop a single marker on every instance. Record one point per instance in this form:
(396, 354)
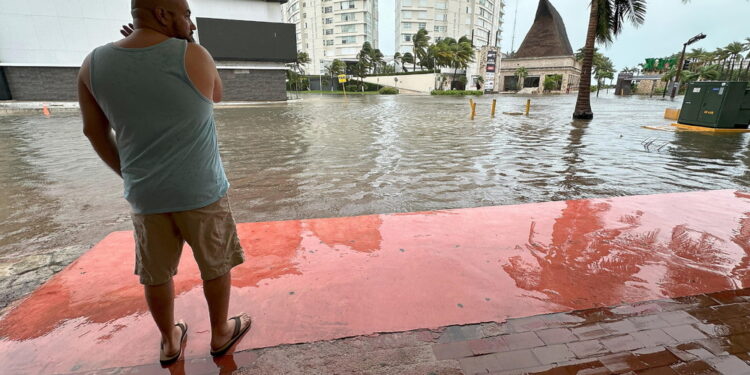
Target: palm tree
(721, 56)
(521, 74)
(605, 69)
(302, 59)
(421, 42)
(406, 59)
(710, 72)
(606, 20)
(747, 48)
(376, 59)
(734, 50)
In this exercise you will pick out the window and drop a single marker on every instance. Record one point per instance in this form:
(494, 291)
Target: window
(304, 15)
(441, 16)
(407, 37)
(329, 21)
(328, 42)
(327, 9)
(423, 3)
(348, 28)
(441, 6)
(406, 25)
(346, 5)
(406, 14)
(305, 24)
(406, 3)
(422, 25)
(348, 39)
(328, 32)
(423, 15)
(441, 29)
(346, 17)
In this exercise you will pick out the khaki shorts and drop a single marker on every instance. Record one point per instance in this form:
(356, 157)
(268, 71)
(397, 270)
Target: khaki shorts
(210, 231)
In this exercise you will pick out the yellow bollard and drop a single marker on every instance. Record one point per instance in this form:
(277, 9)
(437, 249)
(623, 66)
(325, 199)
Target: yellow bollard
(528, 106)
(494, 102)
(472, 107)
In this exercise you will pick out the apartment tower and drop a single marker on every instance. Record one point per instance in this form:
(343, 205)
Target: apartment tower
(479, 20)
(331, 29)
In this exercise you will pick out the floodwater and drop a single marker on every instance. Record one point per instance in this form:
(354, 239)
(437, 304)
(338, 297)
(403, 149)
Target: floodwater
(330, 156)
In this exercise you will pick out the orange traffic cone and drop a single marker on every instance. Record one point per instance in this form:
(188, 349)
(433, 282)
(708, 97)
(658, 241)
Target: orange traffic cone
(45, 110)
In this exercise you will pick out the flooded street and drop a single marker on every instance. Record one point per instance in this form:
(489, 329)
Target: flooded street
(329, 156)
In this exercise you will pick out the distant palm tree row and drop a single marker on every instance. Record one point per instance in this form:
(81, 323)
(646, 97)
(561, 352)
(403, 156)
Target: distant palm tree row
(731, 63)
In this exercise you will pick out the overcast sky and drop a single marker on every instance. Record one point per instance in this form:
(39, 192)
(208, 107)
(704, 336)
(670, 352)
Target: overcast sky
(669, 23)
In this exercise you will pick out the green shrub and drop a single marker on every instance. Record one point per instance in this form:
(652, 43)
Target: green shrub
(388, 91)
(456, 92)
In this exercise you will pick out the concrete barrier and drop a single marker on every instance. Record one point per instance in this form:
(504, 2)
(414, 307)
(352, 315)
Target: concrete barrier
(422, 83)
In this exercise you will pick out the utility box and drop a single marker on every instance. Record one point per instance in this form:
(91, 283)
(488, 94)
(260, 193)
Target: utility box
(723, 105)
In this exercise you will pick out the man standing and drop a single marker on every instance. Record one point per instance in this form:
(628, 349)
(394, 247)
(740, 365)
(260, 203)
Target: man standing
(155, 89)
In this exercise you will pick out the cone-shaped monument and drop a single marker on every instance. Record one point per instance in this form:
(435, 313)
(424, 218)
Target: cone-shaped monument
(547, 36)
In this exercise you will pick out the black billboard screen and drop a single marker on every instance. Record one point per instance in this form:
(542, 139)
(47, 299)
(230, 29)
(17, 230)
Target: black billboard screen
(237, 40)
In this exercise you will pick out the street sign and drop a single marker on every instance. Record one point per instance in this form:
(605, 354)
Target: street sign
(342, 78)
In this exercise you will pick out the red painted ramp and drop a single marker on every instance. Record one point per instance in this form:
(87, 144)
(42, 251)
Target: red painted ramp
(321, 279)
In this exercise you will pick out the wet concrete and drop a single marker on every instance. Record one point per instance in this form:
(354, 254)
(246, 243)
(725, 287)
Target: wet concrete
(322, 279)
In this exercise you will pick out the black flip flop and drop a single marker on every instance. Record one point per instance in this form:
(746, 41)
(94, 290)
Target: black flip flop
(172, 359)
(235, 337)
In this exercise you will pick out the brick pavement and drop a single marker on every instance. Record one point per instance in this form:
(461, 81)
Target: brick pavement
(704, 334)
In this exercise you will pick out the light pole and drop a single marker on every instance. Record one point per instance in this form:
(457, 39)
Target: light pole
(676, 86)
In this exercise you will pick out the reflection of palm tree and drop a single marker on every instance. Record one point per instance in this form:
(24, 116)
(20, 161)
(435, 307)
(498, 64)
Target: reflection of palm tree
(584, 257)
(742, 239)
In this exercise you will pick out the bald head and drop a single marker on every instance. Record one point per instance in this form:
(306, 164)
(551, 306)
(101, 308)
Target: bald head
(169, 17)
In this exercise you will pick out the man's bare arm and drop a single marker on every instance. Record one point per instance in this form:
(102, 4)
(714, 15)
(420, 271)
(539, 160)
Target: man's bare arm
(95, 124)
(202, 72)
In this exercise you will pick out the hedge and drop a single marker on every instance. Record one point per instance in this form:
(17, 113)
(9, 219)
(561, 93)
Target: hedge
(388, 91)
(456, 92)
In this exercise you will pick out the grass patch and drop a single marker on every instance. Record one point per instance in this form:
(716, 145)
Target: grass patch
(456, 92)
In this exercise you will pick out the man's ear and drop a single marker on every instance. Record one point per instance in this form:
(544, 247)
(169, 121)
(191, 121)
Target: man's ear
(162, 16)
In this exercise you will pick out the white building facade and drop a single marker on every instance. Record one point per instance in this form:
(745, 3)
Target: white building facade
(44, 42)
(479, 20)
(331, 29)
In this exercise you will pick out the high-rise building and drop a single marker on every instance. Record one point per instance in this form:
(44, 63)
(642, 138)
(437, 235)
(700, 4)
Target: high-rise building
(479, 20)
(332, 29)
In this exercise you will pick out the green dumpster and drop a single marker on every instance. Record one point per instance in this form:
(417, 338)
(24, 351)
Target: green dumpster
(716, 105)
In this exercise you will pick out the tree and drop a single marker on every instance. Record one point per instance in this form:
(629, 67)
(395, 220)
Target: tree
(704, 73)
(364, 56)
(521, 74)
(747, 48)
(407, 58)
(734, 50)
(360, 70)
(335, 68)
(421, 42)
(606, 20)
(376, 60)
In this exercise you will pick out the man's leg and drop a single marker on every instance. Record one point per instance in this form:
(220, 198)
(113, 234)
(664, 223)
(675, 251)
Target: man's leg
(160, 299)
(217, 297)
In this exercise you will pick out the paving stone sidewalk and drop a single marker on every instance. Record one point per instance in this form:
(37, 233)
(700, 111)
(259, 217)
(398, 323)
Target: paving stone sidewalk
(703, 334)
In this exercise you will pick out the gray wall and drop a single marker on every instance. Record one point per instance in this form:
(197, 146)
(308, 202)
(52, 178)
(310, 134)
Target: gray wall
(59, 84)
(253, 85)
(42, 83)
